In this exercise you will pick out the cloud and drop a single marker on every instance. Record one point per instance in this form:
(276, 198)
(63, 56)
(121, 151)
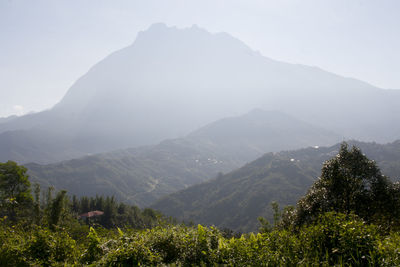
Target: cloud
(18, 109)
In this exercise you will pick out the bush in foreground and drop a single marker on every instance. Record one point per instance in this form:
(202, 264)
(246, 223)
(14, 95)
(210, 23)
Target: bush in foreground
(334, 239)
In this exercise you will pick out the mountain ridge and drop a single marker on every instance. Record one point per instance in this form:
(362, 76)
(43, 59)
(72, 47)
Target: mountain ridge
(157, 88)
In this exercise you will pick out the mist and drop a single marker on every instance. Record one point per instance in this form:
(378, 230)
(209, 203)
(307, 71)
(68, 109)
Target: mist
(51, 51)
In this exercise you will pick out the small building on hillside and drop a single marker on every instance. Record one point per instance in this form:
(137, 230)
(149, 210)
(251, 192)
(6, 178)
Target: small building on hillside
(91, 214)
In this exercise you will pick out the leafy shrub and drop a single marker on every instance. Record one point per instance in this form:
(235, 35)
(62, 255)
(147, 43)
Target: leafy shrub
(129, 251)
(389, 248)
(46, 248)
(12, 247)
(334, 239)
(339, 238)
(94, 251)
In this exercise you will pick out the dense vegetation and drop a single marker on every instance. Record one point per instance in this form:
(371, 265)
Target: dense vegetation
(350, 182)
(235, 200)
(341, 231)
(59, 210)
(333, 239)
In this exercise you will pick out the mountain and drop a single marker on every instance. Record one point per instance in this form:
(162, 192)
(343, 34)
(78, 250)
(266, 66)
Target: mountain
(6, 119)
(251, 135)
(235, 200)
(142, 175)
(171, 81)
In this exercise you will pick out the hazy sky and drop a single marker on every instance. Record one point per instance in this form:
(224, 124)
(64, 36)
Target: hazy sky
(46, 45)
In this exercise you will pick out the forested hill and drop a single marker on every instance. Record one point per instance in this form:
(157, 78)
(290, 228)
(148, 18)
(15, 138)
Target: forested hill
(136, 176)
(237, 199)
(142, 175)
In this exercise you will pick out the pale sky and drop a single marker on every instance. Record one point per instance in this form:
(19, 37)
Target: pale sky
(46, 45)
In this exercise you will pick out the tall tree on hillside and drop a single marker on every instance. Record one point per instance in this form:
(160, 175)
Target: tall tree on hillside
(15, 193)
(56, 209)
(110, 212)
(349, 182)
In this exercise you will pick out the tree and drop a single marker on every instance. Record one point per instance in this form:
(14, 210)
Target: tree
(37, 212)
(15, 193)
(110, 212)
(56, 209)
(349, 183)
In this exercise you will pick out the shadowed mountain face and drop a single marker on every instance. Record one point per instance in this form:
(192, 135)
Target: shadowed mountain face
(171, 81)
(237, 199)
(142, 175)
(257, 132)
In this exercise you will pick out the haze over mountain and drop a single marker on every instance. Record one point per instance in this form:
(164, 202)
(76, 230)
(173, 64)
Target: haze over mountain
(237, 199)
(142, 175)
(171, 81)
(251, 135)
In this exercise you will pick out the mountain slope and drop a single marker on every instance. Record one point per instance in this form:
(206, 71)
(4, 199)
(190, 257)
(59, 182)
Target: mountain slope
(6, 119)
(257, 132)
(171, 81)
(237, 199)
(142, 175)
(136, 176)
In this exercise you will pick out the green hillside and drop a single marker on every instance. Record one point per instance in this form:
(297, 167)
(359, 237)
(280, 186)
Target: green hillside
(237, 199)
(135, 176)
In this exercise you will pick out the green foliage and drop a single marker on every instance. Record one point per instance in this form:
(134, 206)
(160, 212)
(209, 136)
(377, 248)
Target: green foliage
(37, 212)
(389, 247)
(46, 247)
(337, 237)
(94, 250)
(15, 194)
(12, 243)
(35, 247)
(354, 235)
(265, 224)
(56, 209)
(334, 239)
(350, 182)
(115, 215)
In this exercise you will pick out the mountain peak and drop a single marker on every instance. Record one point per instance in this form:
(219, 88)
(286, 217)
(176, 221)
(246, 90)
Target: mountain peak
(159, 26)
(155, 29)
(193, 40)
